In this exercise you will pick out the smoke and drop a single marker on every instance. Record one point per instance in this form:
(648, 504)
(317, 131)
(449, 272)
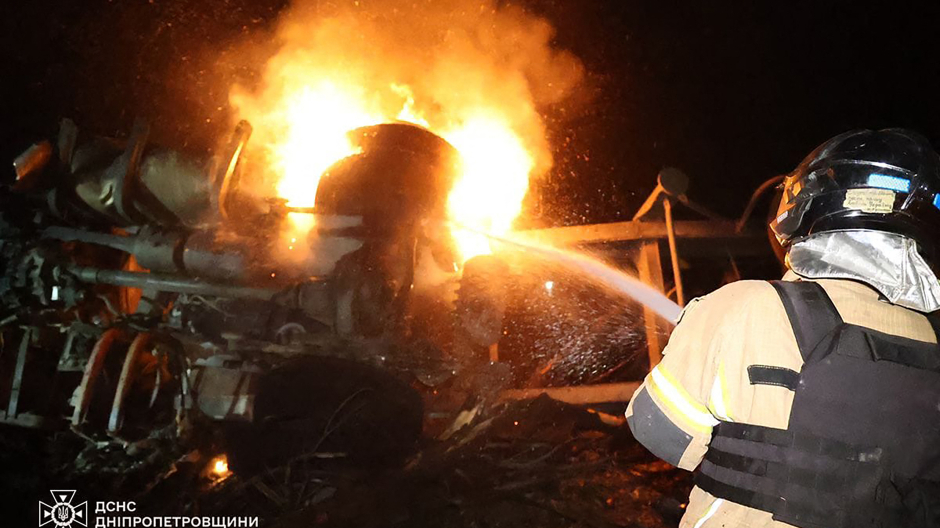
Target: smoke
(436, 62)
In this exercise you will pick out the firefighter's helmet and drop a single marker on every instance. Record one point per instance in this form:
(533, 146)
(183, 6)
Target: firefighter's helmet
(885, 180)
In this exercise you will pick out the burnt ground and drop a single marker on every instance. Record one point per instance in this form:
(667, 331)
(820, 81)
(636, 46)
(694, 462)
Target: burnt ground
(538, 463)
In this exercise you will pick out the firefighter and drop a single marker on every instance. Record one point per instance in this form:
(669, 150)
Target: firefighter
(815, 401)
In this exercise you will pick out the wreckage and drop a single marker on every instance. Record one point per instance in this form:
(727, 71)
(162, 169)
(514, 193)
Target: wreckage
(145, 291)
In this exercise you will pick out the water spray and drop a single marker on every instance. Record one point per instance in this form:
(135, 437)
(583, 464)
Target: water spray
(607, 275)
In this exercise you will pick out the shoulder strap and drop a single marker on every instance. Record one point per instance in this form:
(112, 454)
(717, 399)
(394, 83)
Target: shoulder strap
(810, 311)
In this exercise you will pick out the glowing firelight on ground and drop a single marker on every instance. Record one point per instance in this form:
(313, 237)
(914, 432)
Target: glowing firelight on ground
(488, 191)
(218, 467)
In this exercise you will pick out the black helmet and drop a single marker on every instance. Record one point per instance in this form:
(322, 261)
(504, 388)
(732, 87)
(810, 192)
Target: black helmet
(886, 180)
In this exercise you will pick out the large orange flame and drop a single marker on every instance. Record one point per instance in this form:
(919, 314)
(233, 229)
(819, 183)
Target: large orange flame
(494, 178)
(316, 119)
(491, 184)
(471, 71)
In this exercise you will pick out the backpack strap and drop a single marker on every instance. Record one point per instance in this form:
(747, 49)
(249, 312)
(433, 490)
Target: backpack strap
(812, 315)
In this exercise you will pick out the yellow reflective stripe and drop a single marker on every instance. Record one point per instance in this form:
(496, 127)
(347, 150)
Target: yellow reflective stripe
(680, 402)
(678, 412)
(677, 387)
(718, 399)
(709, 513)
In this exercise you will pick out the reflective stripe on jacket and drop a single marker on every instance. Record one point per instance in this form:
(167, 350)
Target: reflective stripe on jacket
(703, 378)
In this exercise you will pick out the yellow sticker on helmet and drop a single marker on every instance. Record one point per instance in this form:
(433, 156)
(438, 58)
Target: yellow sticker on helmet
(869, 200)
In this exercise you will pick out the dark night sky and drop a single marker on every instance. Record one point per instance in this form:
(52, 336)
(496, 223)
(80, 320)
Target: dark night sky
(731, 92)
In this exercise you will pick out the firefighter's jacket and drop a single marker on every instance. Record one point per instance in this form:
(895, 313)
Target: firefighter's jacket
(734, 359)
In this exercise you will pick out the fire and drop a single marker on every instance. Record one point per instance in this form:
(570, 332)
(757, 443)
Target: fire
(218, 467)
(407, 113)
(494, 178)
(316, 119)
(475, 72)
(487, 194)
(318, 113)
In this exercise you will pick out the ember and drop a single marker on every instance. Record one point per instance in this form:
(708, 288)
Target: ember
(219, 466)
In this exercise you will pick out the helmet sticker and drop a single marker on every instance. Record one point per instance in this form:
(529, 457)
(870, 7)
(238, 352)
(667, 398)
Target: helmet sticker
(889, 182)
(869, 200)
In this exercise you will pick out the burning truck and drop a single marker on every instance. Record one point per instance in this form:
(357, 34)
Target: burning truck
(147, 294)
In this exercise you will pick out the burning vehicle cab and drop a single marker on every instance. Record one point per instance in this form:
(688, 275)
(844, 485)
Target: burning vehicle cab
(148, 295)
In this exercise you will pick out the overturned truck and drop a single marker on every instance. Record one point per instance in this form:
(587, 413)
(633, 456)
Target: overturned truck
(148, 293)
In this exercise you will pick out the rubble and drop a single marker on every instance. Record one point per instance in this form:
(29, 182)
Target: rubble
(536, 462)
(198, 362)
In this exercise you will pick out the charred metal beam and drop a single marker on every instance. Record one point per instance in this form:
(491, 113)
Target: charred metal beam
(584, 394)
(228, 178)
(71, 234)
(673, 252)
(82, 396)
(128, 372)
(650, 269)
(12, 409)
(639, 230)
(167, 283)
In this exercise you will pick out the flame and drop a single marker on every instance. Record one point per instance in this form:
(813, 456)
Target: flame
(487, 194)
(317, 115)
(218, 467)
(474, 72)
(408, 113)
(493, 180)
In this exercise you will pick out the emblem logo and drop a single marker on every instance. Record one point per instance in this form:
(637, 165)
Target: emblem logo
(62, 513)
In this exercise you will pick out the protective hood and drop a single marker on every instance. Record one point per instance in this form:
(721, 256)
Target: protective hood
(887, 262)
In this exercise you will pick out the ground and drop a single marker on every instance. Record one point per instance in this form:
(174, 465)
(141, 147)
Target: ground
(538, 463)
